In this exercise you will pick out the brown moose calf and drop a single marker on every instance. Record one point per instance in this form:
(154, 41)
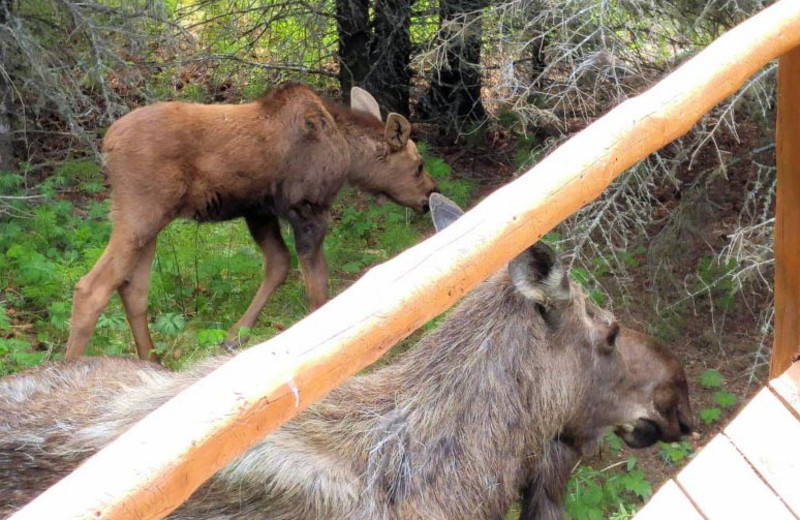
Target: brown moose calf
(284, 156)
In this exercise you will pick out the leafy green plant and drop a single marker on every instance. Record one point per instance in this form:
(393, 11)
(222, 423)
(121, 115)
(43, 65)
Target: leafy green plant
(614, 443)
(211, 337)
(5, 321)
(712, 379)
(59, 314)
(583, 277)
(717, 277)
(170, 323)
(17, 355)
(458, 189)
(614, 492)
(725, 399)
(710, 415)
(112, 321)
(528, 152)
(675, 452)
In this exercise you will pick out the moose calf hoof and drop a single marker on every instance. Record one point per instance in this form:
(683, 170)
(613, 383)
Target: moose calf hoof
(230, 346)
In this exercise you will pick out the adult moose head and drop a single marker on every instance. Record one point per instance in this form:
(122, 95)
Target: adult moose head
(282, 157)
(515, 383)
(633, 384)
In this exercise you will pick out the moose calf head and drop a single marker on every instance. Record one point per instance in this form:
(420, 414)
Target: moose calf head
(655, 393)
(393, 168)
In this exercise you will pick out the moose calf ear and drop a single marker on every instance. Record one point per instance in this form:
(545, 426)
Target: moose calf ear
(397, 131)
(538, 274)
(443, 211)
(362, 100)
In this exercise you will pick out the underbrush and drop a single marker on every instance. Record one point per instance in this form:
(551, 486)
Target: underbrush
(203, 276)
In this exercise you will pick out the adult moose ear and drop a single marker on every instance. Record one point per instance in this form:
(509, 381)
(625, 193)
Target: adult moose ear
(443, 211)
(362, 100)
(538, 274)
(397, 131)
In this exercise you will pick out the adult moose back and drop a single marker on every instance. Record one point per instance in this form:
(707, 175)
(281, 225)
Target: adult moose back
(284, 156)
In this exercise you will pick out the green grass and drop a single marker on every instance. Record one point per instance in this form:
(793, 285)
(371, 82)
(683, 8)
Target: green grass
(615, 492)
(611, 493)
(203, 276)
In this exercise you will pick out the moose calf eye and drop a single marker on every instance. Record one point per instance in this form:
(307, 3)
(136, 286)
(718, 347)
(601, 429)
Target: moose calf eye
(419, 169)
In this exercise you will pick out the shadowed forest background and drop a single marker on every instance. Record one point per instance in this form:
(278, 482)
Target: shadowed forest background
(680, 246)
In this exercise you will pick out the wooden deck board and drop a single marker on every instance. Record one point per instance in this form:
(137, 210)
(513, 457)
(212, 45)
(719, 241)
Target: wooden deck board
(767, 434)
(724, 486)
(787, 386)
(669, 503)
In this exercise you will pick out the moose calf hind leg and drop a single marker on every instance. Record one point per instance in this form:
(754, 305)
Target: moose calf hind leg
(134, 297)
(88, 301)
(93, 291)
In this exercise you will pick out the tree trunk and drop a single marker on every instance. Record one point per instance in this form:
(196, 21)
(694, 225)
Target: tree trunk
(390, 52)
(375, 56)
(6, 149)
(455, 91)
(352, 23)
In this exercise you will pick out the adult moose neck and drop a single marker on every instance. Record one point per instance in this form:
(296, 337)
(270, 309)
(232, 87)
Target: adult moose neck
(446, 411)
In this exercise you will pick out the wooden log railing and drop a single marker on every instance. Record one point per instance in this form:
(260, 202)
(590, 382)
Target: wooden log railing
(152, 468)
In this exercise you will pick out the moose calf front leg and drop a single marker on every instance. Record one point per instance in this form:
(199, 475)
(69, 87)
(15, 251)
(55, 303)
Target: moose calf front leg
(315, 275)
(266, 231)
(309, 224)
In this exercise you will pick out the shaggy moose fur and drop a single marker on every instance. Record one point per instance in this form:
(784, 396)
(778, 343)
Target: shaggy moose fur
(284, 156)
(660, 375)
(522, 377)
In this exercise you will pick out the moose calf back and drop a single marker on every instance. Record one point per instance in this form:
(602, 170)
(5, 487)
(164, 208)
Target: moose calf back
(216, 162)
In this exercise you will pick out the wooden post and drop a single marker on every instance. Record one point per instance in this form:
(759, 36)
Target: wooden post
(787, 215)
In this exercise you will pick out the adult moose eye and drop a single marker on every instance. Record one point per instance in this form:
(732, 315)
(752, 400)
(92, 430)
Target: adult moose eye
(613, 334)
